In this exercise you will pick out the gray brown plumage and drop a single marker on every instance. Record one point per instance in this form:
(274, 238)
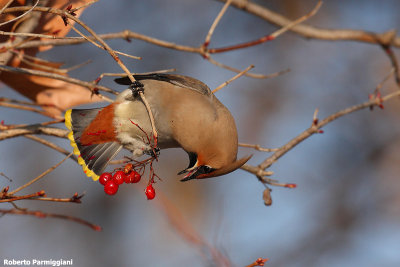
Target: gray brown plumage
(186, 113)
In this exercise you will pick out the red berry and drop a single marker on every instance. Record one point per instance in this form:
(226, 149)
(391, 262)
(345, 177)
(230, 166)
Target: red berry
(150, 192)
(104, 177)
(119, 177)
(137, 177)
(128, 168)
(132, 177)
(129, 178)
(111, 187)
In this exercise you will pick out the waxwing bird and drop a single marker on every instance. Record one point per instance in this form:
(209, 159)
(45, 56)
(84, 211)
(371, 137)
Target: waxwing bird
(186, 114)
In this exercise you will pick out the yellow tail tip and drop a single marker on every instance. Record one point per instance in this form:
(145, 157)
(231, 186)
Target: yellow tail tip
(86, 170)
(68, 122)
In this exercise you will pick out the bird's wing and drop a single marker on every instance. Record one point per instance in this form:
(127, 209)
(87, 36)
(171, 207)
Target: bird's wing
(93, 157)
(178, 80)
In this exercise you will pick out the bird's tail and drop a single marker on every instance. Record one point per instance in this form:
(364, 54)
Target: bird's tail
(93, 157)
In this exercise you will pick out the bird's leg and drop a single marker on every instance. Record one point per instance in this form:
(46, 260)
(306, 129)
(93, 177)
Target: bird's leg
(136, 87)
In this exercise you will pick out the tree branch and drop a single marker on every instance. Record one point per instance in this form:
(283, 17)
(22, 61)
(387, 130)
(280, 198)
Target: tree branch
(314, 32)
(91, 86)
(41, 214)
(33, 129)
(314, 128)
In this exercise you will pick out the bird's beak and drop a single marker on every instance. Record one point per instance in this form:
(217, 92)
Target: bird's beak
(191, 173)
(226, 169)
(194, 174)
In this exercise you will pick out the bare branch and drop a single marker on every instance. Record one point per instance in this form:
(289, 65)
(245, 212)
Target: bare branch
(6, 5)
(26, 26)
(40, 176)
(126, 34)
(314, 128)
(22, 107)
(252, 75)
(51, 145)
(393, 60)
(10, 198)
(258, 262)
(258, 147)
(232, 79)
(41, 214)
(20, 16)
(215, 23)
(33, 129)
(271, 36)
(89, 85)
(314, 32)
(256, 170)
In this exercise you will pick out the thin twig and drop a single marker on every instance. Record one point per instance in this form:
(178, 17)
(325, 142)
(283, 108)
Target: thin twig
(16, 106)
(41, 214)
(315, 127)
(42, 64)
(22, 15)
(385, 79)
(259, 171)
(74, 199)
(25, 24)
(5, 6)
(308, 31)
(256, 170)
(252, 75)
(89, 85)
(16, 126)
(54, 199)
(5, 176)
(393, 60)
(85, 5)
(33, 129)
(298, 21)
(5, 99)
(271, 36)
(258, 262)
(126, 34)
(215, 23)
(258, 147)
(51, 145)
(120, 63)
(233, 78)
(40, 176)
(38, 35)
(100, 46)
(9, 198)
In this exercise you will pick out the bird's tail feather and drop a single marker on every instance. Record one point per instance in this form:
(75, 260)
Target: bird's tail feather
(93, 157)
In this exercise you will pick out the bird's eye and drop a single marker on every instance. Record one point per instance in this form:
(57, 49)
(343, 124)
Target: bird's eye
(207, 169)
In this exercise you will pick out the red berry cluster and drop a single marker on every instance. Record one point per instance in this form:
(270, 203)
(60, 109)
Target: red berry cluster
(111, 182)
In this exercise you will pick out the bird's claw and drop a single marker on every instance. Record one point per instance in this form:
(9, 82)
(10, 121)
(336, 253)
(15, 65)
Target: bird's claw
(136, 88)
(154, 152)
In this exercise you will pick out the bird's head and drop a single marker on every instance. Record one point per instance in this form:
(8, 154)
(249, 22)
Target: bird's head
(212, 144)
(201, 166)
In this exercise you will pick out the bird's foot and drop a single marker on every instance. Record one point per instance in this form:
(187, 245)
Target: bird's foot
(154, 152)
(136, 88)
